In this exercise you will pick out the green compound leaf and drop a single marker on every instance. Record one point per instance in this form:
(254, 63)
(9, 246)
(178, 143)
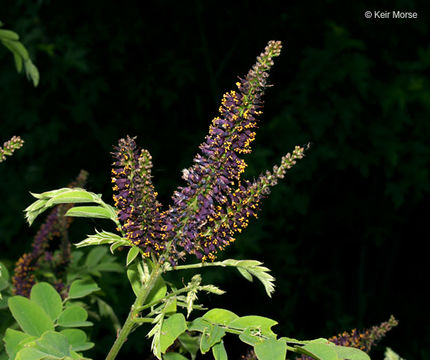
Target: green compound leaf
(4, 278)
(31, 215)
(73, 316)
(211, 289)
(134, 277)
(101, 238)
(172, 327)
(190, 343)
(10, 40)
(30, 316)
(319, 351)
(260, 323)
(48, 298)
(132, 253)
(117, 245)
(271, 349)
(350, 353)
(219, 352)
(89, 212)
(245, 273)
(95, 256)
(8, 34)
(30, 353)
(81, 288)
(391, 355)
(209, 339)
(77, 339)
(15, 340)
(105, 310)
(16, 47)
(59, 196)
(174, 356)
(171, 306)
(109, 266)
(191, 297)
(38, 204)
(158, 291)
(3, 302)
(247, 268)
(200, 325)
(220, 316)
(155, 332)
(192, 292)
(53, 344)
(251, 337)
(18, 62)
(76, 257)
(303, 342)
(4, 273)
(75, 196)
(49, 194)
(31, 71)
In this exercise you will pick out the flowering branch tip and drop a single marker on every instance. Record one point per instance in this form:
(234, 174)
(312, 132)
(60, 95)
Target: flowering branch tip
(215, 204)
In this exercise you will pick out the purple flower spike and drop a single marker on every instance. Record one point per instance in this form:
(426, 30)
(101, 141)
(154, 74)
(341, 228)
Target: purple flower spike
(203, 204)
(135, 197)
(215, 203)
(363, 340)
(55, 226)
(24, 277)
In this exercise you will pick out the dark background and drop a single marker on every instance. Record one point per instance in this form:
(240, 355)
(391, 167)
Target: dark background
(344, 234)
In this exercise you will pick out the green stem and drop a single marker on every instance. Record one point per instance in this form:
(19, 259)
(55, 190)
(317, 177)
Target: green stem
(134, 312)
(173, 293)
(143, 320)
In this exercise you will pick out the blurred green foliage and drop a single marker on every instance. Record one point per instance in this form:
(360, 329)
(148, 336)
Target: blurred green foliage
(10, 40)
(343, 234)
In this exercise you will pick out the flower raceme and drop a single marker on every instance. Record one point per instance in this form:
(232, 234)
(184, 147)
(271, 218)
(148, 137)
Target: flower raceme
(215, 203)
(55, 226)
(364, 340)
(10, 146)
(135, 197)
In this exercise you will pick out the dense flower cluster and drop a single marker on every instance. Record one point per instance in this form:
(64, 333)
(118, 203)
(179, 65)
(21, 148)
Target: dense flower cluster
(54, 227)
(202, 219)
(363, 340)
(215, 204)
(10, 146)
(24, 277)
(135, 198)
(241, 204)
